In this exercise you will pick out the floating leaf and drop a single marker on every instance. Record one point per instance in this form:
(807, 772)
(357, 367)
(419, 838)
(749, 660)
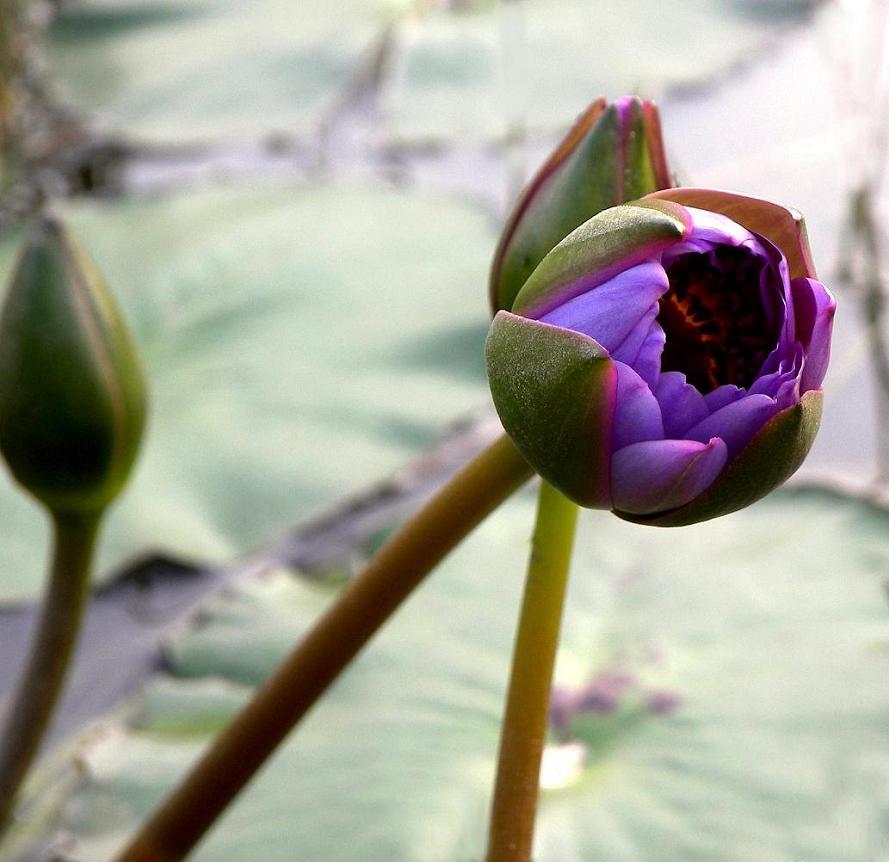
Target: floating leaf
(192, 71)
(722, 692)
(463, 76)
(272, 323)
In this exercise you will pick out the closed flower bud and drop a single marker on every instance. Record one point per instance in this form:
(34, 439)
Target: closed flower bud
(614, 153)
(72, 396)
(665, 360)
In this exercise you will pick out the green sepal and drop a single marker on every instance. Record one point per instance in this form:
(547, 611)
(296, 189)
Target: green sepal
(604, 160)
(72, 394)
(770, 458)
(603, 246)
(644, 167)
(554, 391)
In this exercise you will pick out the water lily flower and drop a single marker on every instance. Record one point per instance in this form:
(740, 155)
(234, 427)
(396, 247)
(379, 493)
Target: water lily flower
(665, 359)
(613, 153)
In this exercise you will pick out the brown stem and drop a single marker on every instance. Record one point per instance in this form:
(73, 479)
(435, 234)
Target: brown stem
(10, 72)
(334, 640)
(32, 708)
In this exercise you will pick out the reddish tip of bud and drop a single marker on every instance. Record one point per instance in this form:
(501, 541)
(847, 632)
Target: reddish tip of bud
(652, 121)
(575, 135)
(613, 153)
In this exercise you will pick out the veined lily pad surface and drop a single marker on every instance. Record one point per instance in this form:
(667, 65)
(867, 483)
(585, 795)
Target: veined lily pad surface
(720, 695)
(300, 342)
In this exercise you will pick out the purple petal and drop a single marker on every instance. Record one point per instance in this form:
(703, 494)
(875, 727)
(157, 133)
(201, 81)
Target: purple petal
(777, 302)
(789, 393)
(788, 372)
(681, 404)
(624, 107)
(647, 361)
(618, 313)
(815, 309)
(637, 414)
(659, 475)
(629, 349)
(736, 423)
(722, 396)
(709, 229)
(774, 290)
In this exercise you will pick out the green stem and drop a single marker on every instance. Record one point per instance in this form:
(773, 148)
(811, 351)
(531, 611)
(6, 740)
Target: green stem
(32, 707)
(335, 639)
(523, 735)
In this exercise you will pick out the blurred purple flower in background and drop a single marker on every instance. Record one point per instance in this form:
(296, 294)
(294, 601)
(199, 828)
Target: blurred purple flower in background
(665, 360)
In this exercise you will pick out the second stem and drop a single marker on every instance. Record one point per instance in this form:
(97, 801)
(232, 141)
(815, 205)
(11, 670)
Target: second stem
(40, 687)
(523, 735)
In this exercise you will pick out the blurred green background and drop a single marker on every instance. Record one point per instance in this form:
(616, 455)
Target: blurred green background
(296, 205)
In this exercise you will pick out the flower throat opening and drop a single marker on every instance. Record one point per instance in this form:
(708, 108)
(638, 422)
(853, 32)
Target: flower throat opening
(713, 317)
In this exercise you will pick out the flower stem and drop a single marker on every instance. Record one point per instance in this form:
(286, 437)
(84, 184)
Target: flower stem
(359, 611)
(32, 707)
(511, 833)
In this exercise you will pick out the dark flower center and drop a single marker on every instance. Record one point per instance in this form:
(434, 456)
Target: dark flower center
(713, 316)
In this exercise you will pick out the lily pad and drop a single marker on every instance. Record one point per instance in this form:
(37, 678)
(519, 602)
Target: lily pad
(457, 75)
(272, 323)
(193, 71)
(179, 72)
(720, 694)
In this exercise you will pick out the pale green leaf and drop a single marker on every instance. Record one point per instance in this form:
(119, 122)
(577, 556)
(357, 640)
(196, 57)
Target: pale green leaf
(471, 76)
(280, 329)
(192, 71)
(751, 722)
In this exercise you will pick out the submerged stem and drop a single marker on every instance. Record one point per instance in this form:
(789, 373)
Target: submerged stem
(523, 735)
(862, 269)
(41, 683)
(301, 678)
